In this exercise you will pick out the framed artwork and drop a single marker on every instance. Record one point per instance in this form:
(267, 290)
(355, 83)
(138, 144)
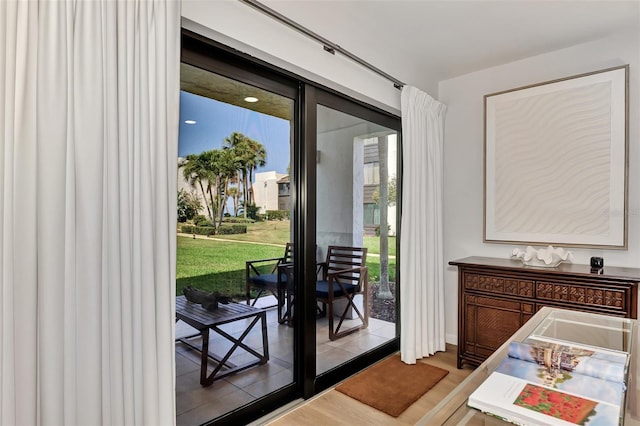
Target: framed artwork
(555, 167)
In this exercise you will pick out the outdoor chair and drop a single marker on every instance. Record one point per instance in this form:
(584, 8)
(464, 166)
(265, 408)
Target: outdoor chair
(343, 276)
(276, 280)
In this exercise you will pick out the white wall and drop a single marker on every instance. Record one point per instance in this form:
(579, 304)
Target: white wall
(463, 162)
(265, 190)
(241, 27)
(335, 223)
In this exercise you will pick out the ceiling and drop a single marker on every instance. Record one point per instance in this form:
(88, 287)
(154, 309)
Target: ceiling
(214, 86)
(421, 42)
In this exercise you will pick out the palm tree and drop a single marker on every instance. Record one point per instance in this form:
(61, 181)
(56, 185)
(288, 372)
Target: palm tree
(257, 158)
(238, 143)
(196, 171)
(235, 193)
(249, 154)
(226, 166)
(212, 170)
(209, 160)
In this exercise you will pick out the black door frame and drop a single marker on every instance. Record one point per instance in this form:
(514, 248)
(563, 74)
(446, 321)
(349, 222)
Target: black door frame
(207, 54)
(340, 103)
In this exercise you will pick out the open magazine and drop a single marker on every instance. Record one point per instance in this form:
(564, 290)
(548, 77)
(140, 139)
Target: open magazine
(544, 382)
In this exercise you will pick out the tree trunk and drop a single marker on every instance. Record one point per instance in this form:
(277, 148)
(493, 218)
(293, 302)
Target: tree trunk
(236, 202)
(204, 197)
(245, 193)
(383, 157)
(214, 211)
(251, 197)
(236, 198)
(223, 199)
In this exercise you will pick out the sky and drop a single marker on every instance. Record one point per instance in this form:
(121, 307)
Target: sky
(217, 120)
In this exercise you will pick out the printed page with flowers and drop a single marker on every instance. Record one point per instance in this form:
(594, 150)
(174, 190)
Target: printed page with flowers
(541, 384)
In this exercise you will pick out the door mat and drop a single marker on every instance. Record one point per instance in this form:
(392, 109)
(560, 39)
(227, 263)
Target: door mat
(391, 386)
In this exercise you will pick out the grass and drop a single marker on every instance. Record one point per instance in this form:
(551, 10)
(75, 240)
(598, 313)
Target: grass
(279, 231)
(272, 232)
(214, 265)
(373, 245)
(373, 263)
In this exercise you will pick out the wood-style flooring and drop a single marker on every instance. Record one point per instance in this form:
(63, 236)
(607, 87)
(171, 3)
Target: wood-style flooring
(335, 408)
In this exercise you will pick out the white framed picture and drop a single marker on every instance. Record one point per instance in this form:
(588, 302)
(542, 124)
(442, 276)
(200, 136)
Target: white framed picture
(556, 162)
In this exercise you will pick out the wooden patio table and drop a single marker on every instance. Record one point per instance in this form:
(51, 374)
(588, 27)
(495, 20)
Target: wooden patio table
(203, 321)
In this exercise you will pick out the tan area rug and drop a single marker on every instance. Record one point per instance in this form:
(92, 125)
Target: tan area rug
(392, 386)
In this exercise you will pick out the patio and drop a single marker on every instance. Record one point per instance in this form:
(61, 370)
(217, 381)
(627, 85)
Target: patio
(196, 404)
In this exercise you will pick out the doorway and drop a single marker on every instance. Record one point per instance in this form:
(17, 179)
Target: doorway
(293, 208)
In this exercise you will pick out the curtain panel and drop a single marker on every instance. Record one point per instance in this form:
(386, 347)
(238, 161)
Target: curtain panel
(89, 109)
(422, 265)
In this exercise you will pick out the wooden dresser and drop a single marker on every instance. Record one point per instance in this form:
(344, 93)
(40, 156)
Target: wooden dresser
(497, 296)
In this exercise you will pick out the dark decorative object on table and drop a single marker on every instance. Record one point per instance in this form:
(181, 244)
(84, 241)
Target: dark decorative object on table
(597, 264)
(209, 301)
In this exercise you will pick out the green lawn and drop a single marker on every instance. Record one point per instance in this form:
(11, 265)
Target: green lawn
(373, 245)
(279, 231)
(374, 268)
(217, 265)
(272, 231)
(213, 265)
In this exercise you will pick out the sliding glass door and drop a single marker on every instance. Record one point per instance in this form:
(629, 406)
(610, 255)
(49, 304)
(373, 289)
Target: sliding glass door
(235, 240)
(356, 229)
(283, 186)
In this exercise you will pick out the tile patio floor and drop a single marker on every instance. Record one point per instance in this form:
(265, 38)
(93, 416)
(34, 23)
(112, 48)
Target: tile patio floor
(196, 405)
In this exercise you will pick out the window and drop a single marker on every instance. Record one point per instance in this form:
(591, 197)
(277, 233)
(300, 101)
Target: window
(372, 173)
(371, 214)
(283, 189)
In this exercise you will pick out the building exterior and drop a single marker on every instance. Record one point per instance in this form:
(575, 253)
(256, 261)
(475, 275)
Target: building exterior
(267, 190)
(284, 193)
(371, 207)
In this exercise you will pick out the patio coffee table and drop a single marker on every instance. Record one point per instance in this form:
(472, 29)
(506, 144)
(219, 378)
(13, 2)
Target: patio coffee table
(203, 321)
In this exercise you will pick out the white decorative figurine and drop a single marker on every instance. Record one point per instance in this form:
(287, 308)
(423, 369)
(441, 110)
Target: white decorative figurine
(545, 257)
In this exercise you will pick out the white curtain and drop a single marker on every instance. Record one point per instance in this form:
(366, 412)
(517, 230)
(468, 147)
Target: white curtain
(89, 101)
(421, 267)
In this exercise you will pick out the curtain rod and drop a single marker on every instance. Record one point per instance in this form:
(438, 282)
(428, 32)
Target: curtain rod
(327, 45)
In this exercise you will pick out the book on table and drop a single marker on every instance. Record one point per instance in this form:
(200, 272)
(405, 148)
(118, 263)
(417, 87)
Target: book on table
(549, 382)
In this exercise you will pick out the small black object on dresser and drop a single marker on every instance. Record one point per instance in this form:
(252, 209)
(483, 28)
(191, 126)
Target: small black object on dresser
(597, 262)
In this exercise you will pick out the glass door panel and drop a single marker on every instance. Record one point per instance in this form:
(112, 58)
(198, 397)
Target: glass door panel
(234, 235)
(356, 174)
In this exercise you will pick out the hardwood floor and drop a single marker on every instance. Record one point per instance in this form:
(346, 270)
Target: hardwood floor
(335, 408)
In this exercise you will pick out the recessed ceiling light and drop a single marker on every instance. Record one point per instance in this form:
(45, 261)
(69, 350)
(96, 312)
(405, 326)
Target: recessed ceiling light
(251, 99)
(189, 121)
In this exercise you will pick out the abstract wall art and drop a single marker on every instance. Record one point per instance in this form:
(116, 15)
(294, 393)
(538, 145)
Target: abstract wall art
(556, 162)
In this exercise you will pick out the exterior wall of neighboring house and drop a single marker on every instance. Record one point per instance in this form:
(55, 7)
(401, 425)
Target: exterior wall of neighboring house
(265, 191)
(193, 189)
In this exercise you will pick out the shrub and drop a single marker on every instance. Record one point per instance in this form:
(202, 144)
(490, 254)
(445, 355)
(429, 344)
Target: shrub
(238, 220)
(201, 220)
(252, 211)
(278, 214)
(378, 230)
(198, 230)
(188, 205)
(232, 229)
